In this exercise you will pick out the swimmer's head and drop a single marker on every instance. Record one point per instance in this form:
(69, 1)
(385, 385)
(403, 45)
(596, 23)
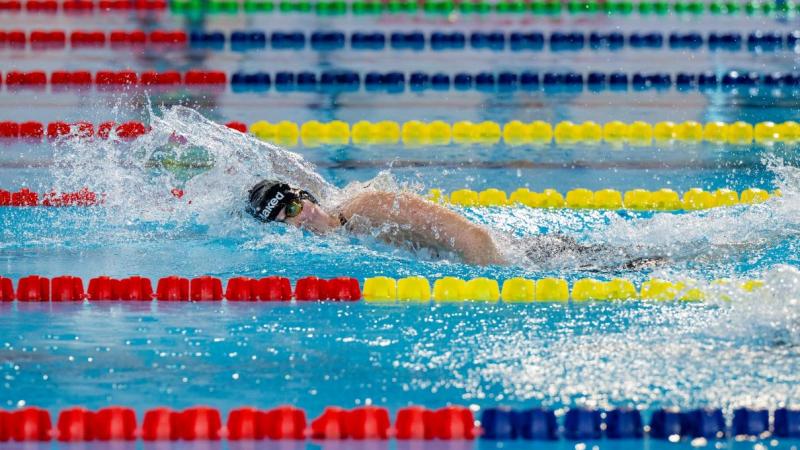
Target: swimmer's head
(274, 201)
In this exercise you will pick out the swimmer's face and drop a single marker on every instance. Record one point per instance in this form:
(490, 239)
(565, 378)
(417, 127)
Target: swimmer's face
(312, 218)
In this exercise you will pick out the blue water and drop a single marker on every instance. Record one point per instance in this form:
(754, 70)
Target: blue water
(725, 354)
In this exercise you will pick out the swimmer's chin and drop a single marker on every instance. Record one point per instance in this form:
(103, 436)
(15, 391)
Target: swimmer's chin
(322, 227)
(319, 230)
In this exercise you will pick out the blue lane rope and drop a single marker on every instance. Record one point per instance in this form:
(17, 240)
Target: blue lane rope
(241, 40)
(396, 82)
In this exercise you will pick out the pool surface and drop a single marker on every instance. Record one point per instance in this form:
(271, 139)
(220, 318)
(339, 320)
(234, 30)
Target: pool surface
(734, 349)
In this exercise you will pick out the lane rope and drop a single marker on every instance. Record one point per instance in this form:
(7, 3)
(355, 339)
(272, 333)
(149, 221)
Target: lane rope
(664, 199)
(616, 8)
(203, 423)
(415, 289)
(343, 81)
(243, 40)
(416, 133)
(514, 8)
(69, 7)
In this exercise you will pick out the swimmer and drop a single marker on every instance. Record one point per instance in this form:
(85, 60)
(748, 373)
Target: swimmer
(403, 219)
(421, 223)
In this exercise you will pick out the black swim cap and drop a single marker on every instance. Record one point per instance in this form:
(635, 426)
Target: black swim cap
(268, 197)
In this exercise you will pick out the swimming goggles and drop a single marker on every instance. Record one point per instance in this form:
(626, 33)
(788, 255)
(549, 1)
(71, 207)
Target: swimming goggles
(294, 206)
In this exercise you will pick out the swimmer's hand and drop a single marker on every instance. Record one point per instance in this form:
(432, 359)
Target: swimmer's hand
(432, 225)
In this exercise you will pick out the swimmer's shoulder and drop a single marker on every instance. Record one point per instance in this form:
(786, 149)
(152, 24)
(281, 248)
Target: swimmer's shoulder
(373, 198)
(375, 203)
(361, 202)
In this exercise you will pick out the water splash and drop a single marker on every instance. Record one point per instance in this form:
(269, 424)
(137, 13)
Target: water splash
(768, 314)
(220, 165)
(739, 348)
(709, 237)
(215, 166)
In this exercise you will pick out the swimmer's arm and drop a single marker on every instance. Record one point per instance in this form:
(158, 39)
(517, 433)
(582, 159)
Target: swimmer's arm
(435, 224)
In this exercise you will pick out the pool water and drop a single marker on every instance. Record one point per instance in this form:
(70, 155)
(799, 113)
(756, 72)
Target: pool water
(736, 349)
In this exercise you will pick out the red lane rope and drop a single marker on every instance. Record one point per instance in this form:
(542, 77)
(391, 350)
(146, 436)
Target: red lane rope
(58, 39)
(26, 197)
(81, 6)
(118, 423)
(36, 131)
(173, 288)
(107, 79)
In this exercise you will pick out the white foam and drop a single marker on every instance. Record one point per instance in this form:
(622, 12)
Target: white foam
(718, 233)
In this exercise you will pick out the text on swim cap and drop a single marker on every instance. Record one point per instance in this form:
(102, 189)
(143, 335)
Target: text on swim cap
(271, 205)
